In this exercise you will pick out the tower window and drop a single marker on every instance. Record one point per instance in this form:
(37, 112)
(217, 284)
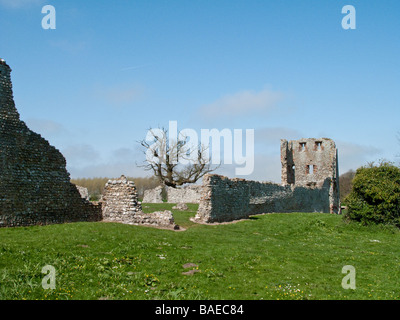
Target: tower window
(302, 146)
(318, 145)
(311, 169)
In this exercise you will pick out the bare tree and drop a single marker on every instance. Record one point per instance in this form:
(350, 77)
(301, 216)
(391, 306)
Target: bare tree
(175, 162)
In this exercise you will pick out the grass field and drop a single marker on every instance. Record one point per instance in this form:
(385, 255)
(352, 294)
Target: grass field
(275, 256)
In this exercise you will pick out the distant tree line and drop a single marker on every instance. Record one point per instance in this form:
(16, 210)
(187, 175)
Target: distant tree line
(95, 186)
(346, 184)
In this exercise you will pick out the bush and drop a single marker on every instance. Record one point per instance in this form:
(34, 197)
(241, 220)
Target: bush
(375, 197)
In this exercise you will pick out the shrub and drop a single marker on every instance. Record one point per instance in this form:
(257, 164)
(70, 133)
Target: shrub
(375, 197)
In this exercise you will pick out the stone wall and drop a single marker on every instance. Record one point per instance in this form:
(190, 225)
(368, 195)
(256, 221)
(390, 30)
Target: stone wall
(35, 187)
(83, 192)
(225, 199)
(120, 204)
(153, 195)
(119, 199)
(310, 183)
(187, 194)
(309, 163)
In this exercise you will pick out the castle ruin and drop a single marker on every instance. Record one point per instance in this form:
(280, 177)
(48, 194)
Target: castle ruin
(35, 187)
(312, 163)
(310, 183)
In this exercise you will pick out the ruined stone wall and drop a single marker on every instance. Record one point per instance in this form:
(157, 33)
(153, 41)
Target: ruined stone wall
(187, 194)
(153, 195)
(35, 187)
(310, 183)
(84, 192)
(225, 199)
(120, 204)
(119, 199)
(309, 163)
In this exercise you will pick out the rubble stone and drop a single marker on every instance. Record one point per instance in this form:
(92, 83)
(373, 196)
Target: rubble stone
(153, 195)
(83, 192)
(186, 194)
(181, 207)
(120, 204)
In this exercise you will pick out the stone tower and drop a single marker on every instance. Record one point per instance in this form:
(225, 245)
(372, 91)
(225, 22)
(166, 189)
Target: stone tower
(312, 163)
(35, 186)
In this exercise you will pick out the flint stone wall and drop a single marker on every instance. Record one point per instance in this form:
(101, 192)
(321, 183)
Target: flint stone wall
(225, 199)
(83, 192)
(310, 163)
(153, 195)
(120, 204)
(161, 219)
(187, 194)
(35, 187)
(119, 200)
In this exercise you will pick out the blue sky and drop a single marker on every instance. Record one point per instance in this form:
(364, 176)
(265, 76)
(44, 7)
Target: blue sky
(287, 69)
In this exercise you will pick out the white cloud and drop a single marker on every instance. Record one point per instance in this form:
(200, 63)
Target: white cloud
(83, 161)
(109, 170)
(119, 95)
(273, 135)
(266, 168)
(46, 127)
(241, 103)
(124, 153)
(80, 154)
(353, 156)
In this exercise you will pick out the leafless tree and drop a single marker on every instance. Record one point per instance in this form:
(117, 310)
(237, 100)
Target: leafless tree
(175, 162)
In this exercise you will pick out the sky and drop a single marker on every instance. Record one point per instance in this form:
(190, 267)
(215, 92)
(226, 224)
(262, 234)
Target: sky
(111, 70)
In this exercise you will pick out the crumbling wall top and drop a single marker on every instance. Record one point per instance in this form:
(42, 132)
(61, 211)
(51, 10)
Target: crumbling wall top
(4, 63)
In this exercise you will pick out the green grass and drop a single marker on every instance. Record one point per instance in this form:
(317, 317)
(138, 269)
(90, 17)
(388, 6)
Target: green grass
(276, 256)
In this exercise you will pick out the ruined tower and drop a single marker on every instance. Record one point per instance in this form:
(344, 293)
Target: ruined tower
(7, 105)
(312, 163)
(35, 186)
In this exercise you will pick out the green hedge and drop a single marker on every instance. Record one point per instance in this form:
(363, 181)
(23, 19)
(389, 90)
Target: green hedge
(375, 197)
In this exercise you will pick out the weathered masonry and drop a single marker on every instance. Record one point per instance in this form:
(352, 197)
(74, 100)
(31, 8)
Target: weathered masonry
(309, 184)
(187, 194)
(120, 204)
(35, 187)
(312, 163)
